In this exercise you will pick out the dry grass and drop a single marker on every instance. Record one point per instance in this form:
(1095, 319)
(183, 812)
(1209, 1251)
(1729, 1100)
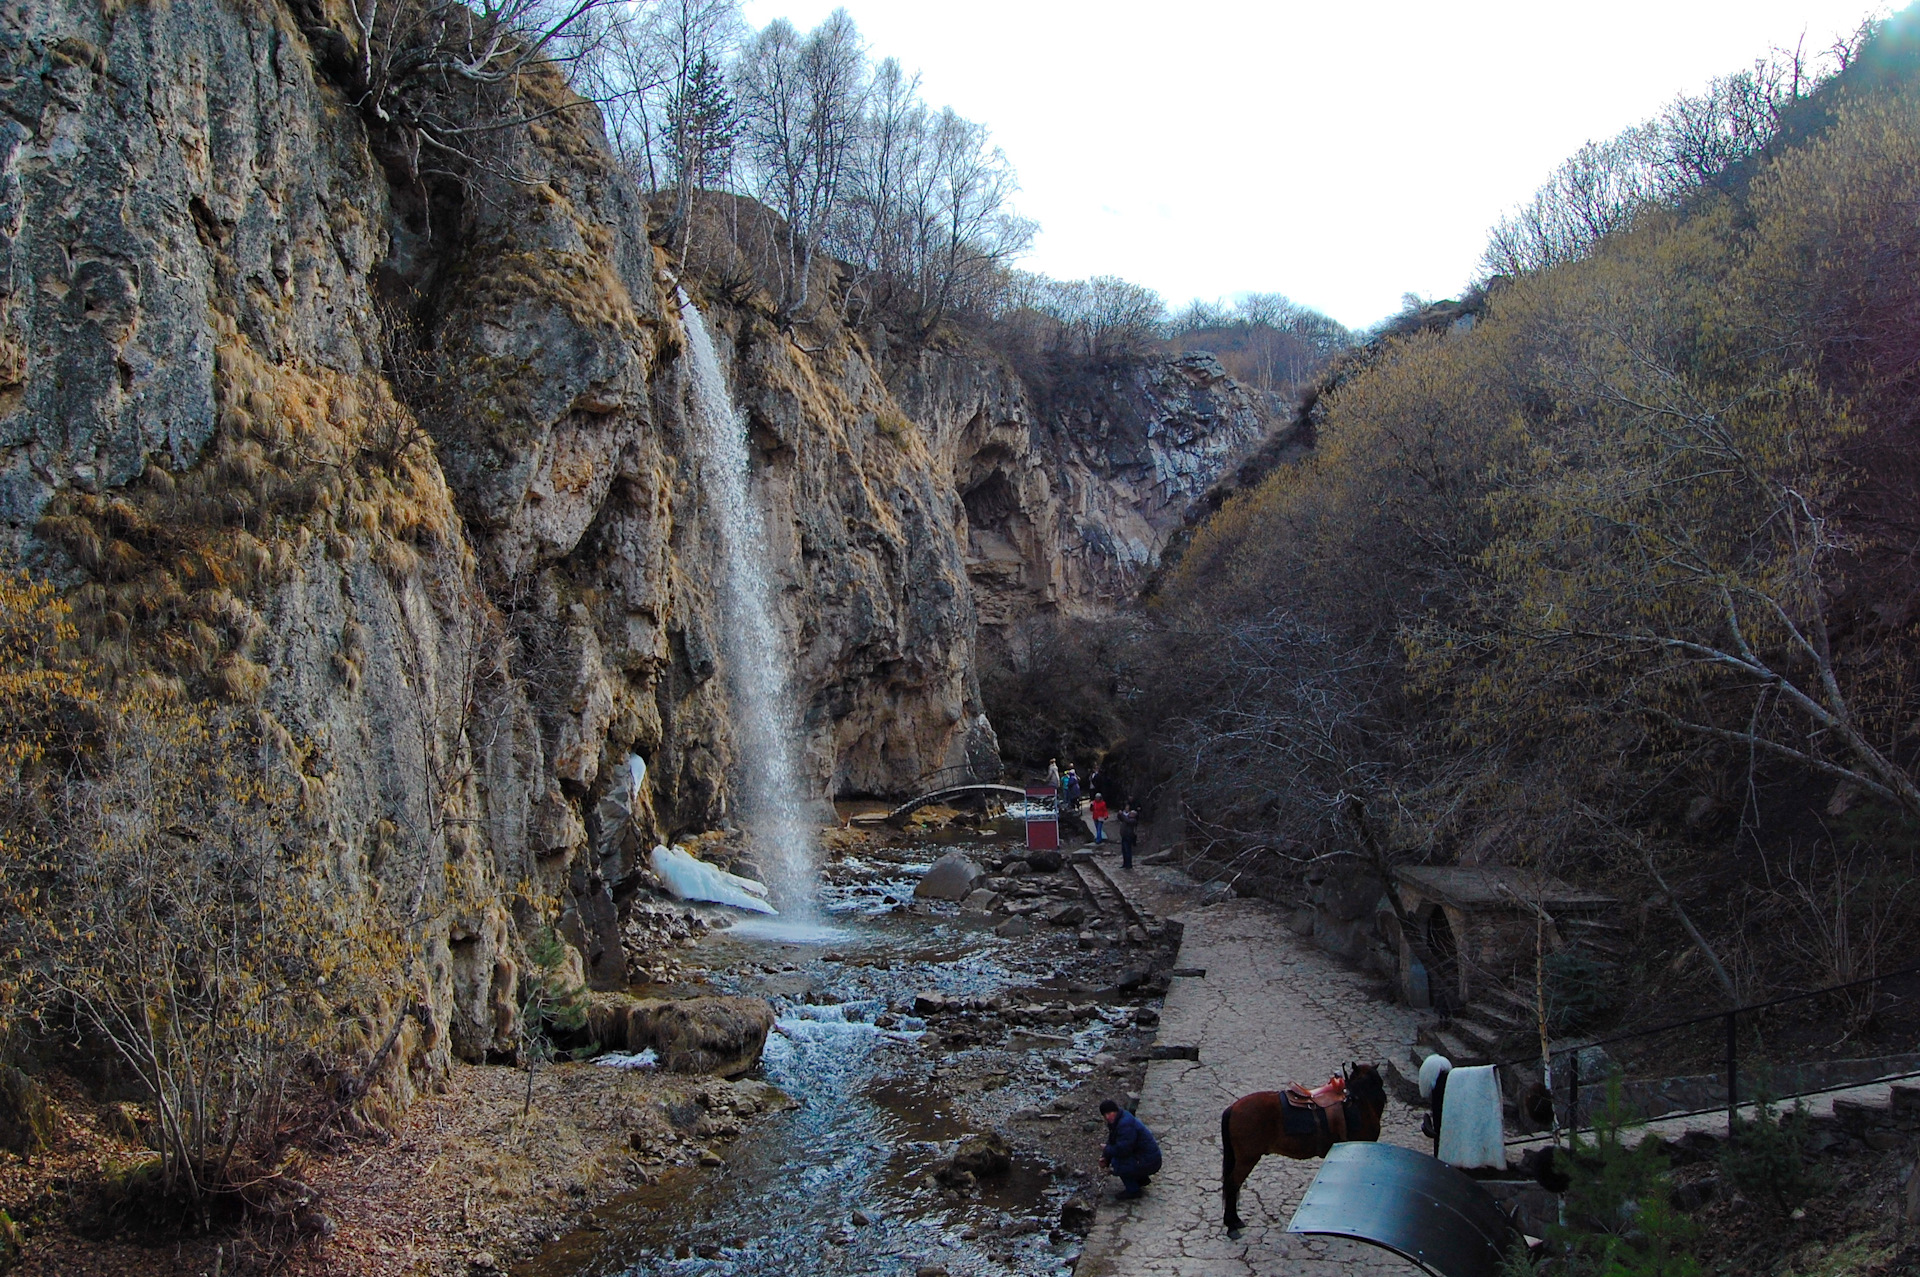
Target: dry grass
(462, 1173)
(176, 559)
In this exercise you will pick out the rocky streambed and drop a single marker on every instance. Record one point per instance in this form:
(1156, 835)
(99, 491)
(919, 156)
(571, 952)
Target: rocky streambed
(945, 1060)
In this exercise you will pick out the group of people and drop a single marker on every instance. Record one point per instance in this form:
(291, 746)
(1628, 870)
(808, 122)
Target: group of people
(1131, 1153)
(1068, 786)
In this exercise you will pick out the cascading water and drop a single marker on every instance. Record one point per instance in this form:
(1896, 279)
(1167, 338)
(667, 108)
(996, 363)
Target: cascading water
(757, 660)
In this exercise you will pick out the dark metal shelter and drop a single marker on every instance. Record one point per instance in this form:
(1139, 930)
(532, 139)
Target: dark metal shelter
(1409, 1203)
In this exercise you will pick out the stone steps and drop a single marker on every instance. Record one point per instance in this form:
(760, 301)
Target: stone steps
(1448, 1044)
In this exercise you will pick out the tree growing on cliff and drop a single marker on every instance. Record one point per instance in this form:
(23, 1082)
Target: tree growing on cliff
(1264, 339)
(1104, 317)
(927, 224)
(703, 125)
(658, 72)
(436, 81)
(801, 99)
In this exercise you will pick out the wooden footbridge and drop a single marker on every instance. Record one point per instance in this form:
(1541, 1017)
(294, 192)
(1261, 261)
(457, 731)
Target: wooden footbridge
(949, 794)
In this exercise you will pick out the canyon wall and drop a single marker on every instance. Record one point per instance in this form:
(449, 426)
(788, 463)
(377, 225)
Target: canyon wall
(400, 465)
(1073, 479)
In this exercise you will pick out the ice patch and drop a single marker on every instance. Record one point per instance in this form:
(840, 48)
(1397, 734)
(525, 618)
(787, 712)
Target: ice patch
(691, 879)
(624, 1060)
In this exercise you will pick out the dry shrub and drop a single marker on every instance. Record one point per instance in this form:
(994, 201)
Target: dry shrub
(163, 904)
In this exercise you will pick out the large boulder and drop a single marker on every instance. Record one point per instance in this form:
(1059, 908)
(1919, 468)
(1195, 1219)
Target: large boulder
(1045, 861)
(951, 877)
(984, 1155)
(722, 1035)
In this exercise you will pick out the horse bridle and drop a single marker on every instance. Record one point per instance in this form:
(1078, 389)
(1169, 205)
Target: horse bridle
(1349, 1098)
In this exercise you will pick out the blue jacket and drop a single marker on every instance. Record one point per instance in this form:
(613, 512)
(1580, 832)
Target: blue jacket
(1131, 1150)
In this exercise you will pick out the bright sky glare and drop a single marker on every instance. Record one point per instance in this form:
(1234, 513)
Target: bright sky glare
(1342, 154)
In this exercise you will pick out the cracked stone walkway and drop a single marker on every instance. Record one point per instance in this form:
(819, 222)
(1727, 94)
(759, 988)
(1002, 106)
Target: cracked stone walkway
(1271, 1009)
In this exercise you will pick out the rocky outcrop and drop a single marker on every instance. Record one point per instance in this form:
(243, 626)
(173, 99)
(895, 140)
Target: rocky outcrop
(721, 1035)
(409, 475)
(401, 465)
(1073, 478)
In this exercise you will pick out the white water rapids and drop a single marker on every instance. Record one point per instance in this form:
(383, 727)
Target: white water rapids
(757, 661)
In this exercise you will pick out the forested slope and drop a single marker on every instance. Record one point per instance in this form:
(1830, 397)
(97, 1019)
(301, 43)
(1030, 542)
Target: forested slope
(1611, 570)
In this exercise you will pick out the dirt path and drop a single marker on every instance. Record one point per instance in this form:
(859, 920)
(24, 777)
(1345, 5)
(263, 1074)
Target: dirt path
(1270, 1009)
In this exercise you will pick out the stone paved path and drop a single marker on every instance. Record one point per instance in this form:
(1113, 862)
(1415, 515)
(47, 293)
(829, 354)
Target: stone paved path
(1271, 1009)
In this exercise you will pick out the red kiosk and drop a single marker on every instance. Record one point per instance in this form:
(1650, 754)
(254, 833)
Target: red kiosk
(1043, 818)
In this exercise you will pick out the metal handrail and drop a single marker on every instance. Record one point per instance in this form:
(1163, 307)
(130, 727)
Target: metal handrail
(1739, 1010)
(1731, 1017)
(1882, 1080)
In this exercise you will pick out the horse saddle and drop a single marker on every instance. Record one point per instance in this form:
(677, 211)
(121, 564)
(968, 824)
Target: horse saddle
(1320, 1111)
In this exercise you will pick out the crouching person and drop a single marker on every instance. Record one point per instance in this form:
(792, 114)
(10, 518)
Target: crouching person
(1131, 1152)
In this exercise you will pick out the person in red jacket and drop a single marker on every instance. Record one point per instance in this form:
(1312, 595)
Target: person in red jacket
(1099, 814)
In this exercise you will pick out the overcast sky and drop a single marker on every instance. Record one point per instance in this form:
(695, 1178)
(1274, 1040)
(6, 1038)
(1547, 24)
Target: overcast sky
(1343, 154)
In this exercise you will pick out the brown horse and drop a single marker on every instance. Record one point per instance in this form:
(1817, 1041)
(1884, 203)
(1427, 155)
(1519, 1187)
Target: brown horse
(1255, 1125)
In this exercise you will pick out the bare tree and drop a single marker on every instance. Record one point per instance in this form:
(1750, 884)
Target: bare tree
(1691, 144)
(801, 100)
(440, 76)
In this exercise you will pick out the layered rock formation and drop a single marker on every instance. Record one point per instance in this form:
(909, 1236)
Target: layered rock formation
(414, 481)
(402, 466)
(1073, 480)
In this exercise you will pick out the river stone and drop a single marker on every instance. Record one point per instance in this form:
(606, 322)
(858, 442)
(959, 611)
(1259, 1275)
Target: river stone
(1076, 1216)
(765, 1097)
(981, 901)
(1013, 928)
(1066, 915)
(950, 878)
(1045, 862)
(1016, 869)
(722, 1035)
(983, 1154)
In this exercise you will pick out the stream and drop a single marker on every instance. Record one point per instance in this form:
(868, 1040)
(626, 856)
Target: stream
(842, 1183)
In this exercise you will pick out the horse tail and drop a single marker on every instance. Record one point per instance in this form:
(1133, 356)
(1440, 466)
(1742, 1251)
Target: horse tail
(1226, 1145)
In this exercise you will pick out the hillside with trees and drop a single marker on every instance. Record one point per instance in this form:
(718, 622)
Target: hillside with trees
(1605, 569)
(413, 410)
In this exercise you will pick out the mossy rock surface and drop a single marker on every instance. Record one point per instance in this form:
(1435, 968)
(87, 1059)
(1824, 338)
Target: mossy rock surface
(26, 1114)
(720, 1035)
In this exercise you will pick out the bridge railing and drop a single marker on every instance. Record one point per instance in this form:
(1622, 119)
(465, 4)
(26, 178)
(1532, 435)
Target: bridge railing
(1798, 1044)
(947, 777)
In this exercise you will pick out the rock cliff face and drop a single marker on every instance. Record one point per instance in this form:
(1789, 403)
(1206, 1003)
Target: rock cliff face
(406, 469)
(1072, 481)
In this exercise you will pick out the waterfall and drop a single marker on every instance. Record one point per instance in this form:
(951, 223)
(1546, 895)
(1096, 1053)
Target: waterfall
(757, 661)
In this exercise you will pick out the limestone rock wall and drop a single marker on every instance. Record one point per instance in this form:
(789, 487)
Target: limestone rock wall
(404, 469)
(1073, 478)
(411, 478)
